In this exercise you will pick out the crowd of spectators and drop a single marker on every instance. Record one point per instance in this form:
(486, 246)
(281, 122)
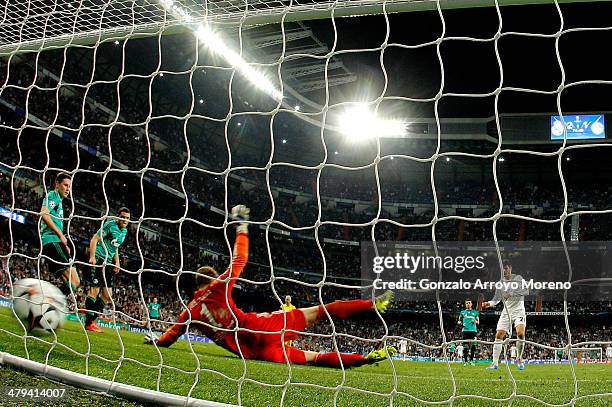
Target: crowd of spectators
(87, 114)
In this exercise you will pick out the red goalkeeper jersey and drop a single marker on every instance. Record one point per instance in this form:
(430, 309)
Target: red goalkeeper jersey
(212, 307)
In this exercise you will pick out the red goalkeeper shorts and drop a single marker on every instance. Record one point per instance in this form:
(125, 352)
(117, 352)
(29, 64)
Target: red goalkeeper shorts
(269, 346)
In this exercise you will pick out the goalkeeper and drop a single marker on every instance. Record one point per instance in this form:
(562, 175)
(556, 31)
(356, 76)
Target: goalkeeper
(214, 313)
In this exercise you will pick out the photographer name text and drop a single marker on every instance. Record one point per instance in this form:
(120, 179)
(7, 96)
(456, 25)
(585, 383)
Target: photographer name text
(427, 284)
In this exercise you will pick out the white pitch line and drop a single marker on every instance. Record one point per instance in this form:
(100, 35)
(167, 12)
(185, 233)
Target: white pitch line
(472, 379)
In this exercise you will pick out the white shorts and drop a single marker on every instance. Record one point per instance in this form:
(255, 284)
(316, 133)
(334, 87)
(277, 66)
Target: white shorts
(503, 324)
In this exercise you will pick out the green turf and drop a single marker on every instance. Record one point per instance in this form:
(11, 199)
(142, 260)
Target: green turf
(226, 378)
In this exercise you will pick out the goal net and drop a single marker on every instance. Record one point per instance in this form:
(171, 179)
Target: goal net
(336, 123)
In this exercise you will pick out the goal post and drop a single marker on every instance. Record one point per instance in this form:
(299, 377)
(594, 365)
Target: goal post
(80, 25)
(100, 385)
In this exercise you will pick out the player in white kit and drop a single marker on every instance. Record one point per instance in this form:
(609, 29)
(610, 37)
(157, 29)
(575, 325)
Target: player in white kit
(460, 352)
(513, 353)
(609, 352)
(403, 347)
(513, 314)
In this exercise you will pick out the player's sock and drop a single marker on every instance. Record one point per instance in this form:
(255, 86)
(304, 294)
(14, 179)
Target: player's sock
(68, 288)
(100, 304)
(472, 352)
(348, 359)
(520, 346)
(497, 349)
(344, 309)
(90, 306)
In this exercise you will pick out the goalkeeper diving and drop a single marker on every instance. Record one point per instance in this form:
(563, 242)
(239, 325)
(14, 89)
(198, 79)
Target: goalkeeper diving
(214, 313)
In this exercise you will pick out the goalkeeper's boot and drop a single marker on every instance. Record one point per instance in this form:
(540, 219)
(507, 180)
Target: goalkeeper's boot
(93, 327)
(493, 366)
(520, 365)
(382, 302)
(381, 354)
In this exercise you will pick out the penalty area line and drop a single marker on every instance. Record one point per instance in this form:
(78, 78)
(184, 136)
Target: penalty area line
(483, 379)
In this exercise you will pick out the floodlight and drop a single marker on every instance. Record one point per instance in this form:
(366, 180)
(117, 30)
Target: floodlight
(360, 123)
(216, 44)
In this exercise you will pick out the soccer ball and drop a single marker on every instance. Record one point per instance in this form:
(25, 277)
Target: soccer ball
(39, 305)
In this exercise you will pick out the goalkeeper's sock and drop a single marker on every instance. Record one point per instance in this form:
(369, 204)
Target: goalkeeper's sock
(344, 309)
(90, 306)
(348, 360)
(497, 349)
(520, 346)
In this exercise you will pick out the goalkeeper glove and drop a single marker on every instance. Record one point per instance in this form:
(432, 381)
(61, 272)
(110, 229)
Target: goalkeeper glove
(241, 213)
(150, 338)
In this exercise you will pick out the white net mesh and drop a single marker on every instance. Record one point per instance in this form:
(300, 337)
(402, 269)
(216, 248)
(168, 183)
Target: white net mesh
(147, 108)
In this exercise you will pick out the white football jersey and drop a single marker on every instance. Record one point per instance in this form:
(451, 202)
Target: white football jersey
(515, 304)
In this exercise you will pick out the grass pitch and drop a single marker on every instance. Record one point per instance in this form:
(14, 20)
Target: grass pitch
(224, 377)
